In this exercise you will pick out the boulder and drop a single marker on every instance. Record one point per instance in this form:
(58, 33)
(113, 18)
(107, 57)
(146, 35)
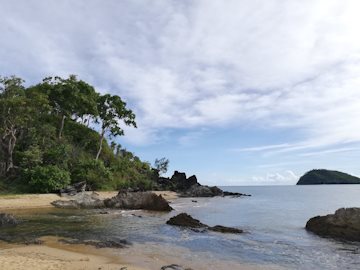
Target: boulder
(7, 220)
(223, 229)
(73, 189)
(138, 200)
(81, 200)
(185, 220)
(198, 191)
(344, 224)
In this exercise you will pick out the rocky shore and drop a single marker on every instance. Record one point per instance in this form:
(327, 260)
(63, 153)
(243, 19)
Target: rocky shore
(343, 224)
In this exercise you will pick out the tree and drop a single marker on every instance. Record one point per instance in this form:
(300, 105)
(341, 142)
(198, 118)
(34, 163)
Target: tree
(162, 165)
(111, 111)
(70, 98)
(15, 115)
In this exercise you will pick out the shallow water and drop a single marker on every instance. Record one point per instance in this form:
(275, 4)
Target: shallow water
(273, 220)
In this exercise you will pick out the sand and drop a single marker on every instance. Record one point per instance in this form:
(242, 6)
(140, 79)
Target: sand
(27, 201)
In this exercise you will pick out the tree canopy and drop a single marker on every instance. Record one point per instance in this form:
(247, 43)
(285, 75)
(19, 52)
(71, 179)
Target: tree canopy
(55, 132)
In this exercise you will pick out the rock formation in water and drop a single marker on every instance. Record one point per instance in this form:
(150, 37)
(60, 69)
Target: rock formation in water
(185, 220)
(344, 224)
(319, 177)
(190, 187)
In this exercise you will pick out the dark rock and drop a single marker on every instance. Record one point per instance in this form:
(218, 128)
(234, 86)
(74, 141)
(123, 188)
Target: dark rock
(234, 194)
(7, 220)
(118, 243)
(81, 200)
(198, 191)
(344, 224)
(138, 200)
(216, 191)
(174, 267)
(104, 212)
(73, 189)
(185, 220)
(194, 201)
(223, 229)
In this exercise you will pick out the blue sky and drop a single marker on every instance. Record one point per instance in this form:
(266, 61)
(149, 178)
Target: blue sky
(238, 92)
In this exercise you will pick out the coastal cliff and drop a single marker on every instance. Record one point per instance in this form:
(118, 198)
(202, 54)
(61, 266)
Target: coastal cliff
(321, 177)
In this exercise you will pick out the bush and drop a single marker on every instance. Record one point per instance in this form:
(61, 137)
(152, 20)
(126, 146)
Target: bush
(45, 179)
(93, 172)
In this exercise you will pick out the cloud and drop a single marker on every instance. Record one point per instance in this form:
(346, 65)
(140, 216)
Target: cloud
(185, 65)
(285, 178)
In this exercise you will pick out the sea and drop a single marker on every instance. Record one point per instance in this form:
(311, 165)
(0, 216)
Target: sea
(273, 219)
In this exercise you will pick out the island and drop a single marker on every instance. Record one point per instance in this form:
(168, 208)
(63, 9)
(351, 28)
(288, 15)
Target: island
(327, 177)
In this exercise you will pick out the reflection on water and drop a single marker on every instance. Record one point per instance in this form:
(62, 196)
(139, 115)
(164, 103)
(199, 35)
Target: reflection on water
(273, 220)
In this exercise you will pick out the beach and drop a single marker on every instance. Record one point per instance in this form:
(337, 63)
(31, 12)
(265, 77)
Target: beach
(54, 255)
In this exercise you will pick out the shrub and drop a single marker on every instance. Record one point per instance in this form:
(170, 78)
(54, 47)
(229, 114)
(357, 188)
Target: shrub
(45, 179)
(93, 172)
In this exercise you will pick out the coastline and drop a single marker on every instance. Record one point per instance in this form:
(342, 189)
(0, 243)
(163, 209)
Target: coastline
(54, 255)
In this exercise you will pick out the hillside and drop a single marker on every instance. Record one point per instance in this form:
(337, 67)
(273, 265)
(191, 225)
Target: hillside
(56, 133)
(320, 177)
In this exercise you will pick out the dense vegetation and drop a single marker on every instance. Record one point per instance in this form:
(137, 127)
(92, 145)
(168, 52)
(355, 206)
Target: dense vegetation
(49, 137)
(318, 177)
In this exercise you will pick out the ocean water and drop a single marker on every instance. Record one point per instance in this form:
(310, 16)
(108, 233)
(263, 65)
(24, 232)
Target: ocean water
(273, 219)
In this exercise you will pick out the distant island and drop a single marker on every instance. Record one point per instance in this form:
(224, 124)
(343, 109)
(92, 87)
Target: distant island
(327, 177)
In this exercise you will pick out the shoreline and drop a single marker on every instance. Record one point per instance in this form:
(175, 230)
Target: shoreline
(32, 201)
(54, 255)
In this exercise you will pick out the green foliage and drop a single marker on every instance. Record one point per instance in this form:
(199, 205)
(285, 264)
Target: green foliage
(45, 179)
(47, 137)
(93, 172)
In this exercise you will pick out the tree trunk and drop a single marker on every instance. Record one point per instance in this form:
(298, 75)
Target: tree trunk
(61, 126)
(9, 147)
(101, 142)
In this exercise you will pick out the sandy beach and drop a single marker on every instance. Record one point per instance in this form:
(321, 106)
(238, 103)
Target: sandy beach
(54, 255)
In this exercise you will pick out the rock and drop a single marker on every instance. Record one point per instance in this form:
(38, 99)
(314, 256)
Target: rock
(117, 243)
(81, 200)
(7, 220)
(174, 267)
(198, 191)
(138, 200)
(216, 191)
(185, 220)
(234, 194)
(344, 224)
(223, 229)
(73, 189)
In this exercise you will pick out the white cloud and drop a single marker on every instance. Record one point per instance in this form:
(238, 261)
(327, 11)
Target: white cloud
(287, 177)
(205, 63)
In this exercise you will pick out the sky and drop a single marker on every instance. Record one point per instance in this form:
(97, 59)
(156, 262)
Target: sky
(238, 92)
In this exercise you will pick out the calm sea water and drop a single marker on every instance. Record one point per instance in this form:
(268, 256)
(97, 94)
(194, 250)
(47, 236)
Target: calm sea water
(273, 220)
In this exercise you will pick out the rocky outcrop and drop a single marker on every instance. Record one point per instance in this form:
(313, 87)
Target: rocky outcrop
(185, 220)
(124, 200)
(7, 220)
(81, 200)
(73, 189)
(138, 200)
(190, 187)
(344, 224)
